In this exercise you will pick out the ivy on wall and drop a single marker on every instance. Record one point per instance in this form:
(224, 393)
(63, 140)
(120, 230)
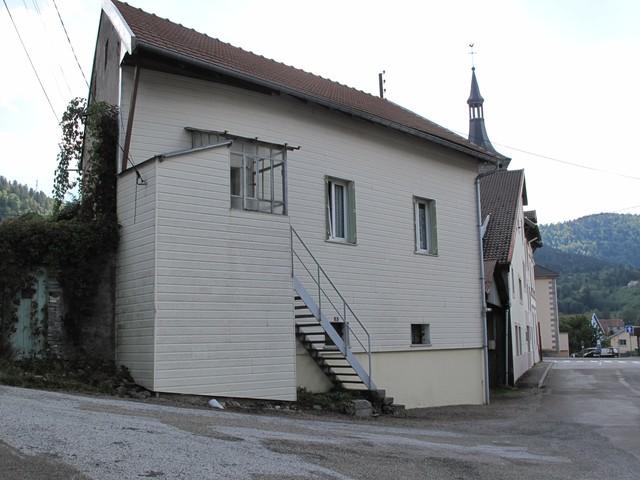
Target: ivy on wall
(78, 240)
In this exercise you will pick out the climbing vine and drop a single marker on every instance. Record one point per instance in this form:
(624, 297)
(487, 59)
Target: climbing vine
(77, 242)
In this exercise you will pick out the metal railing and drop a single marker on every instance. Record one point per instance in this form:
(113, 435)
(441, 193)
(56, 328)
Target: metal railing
(326, 305)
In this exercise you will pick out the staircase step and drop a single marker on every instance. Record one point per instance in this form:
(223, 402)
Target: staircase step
(345, 374)
(352, 381)
(299, 307)
(305, 315)
(307, 324)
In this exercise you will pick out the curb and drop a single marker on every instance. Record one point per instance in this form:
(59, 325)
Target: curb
(544, 375)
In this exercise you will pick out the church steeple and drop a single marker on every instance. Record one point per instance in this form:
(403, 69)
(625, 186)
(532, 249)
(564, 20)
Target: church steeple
(477, 131)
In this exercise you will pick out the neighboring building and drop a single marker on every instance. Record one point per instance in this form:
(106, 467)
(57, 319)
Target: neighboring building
(511, 236)
(563, 350)
(609, 326)
(624, 342)
(225, 152)
(547, 309)
(614, 330)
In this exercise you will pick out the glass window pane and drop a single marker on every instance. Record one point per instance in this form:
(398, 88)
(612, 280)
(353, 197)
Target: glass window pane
(236, 174)
(422, 225)
(250, 177)
(339, 205)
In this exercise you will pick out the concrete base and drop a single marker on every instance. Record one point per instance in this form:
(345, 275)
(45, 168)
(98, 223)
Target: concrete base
(416, 378)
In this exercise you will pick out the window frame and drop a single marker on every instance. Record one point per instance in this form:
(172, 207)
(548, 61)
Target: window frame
(348, 210)
(333, 225)
(430, 226)
(425, 334)
(273, 156)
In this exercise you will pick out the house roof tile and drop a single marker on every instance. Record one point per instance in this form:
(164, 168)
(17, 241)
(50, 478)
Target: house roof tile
(153, 31)
(611, 325)
(543, 272)
(499, 193)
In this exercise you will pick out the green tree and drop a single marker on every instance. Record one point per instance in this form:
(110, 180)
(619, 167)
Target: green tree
(581, 333)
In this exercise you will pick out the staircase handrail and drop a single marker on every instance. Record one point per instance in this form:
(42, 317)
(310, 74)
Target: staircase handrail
(364, 329)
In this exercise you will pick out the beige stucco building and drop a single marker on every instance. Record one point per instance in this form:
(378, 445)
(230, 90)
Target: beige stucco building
(547, 309)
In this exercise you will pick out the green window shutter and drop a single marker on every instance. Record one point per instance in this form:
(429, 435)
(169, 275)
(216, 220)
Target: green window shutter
(433, 227)
(351, 206)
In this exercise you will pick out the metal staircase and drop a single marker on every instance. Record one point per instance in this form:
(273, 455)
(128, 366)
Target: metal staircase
(326, 325)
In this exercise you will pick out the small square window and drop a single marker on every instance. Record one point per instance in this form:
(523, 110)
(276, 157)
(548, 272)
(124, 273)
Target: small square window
(420, 334)
(425, 225)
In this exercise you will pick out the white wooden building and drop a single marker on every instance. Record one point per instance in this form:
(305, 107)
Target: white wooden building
(245, 183)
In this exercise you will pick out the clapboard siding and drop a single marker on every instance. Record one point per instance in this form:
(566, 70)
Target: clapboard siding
(386, 283)
(224, 323)
(135, 273)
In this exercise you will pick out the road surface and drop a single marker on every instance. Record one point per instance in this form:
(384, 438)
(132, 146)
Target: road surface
(584, 425)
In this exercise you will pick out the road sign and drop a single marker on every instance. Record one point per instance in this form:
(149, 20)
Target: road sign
(629, 329)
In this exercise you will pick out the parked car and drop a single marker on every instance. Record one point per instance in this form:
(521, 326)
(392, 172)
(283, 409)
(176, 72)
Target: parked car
(594, 352)
(587, 352)
(609, 352)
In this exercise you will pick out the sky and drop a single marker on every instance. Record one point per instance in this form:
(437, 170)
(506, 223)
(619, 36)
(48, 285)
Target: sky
(559, 78)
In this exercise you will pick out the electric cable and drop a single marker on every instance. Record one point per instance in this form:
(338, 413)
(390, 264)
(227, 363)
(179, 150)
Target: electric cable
(70, 44)
(31, 61)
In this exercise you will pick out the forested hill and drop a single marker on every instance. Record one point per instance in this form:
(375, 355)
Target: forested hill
(17, 199)
(588, 284)
(598, 258)
(608, 236)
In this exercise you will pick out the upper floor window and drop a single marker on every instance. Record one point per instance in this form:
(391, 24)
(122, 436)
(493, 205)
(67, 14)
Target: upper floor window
(341, 210)
(425, 225)
(520, 288)
(257, 172)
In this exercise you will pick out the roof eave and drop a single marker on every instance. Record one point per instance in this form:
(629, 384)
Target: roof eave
(484, 157)
(128, 38)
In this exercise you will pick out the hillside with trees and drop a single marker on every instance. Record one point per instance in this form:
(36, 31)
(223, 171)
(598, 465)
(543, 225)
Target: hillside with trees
(17, 199)
(609, 236)
(598, 258)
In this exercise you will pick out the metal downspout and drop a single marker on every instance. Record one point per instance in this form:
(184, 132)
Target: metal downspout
(483, 311)
(507, 344)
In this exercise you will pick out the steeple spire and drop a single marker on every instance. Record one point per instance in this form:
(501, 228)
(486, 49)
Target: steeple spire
(477, 131)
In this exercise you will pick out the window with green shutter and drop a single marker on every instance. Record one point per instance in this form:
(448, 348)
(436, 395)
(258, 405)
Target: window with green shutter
(340, 210)
(425, 226)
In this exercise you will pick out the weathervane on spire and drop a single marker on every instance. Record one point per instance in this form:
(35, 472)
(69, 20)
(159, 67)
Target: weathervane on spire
(472, 53)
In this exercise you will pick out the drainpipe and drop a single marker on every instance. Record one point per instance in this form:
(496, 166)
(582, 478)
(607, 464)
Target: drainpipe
(483, 300)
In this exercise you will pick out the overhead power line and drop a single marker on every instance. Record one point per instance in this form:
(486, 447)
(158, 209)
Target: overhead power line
(70, 44)
(30, 61)
(46, 29)
(558, 160)
(571, 164)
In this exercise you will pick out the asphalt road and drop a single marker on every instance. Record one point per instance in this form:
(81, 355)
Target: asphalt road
(584, 425)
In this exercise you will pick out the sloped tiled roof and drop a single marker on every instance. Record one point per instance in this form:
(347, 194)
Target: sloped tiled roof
(499, 194)
(154, 32)
(543, 272)
(611, 325)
